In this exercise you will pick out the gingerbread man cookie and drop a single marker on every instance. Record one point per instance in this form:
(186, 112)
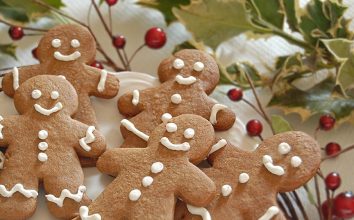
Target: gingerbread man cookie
(187, 79)
(65, 50)
(43, 144)
(150, 179)
(248, 182)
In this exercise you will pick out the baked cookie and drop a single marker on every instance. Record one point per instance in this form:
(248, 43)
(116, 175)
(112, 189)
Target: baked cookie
(187, 79)
(248, 182)
(43, 144)
(65, 50)
(150, 179)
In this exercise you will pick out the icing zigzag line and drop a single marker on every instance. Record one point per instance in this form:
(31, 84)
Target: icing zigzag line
(18, 188)
(67, 194)
(84, 211)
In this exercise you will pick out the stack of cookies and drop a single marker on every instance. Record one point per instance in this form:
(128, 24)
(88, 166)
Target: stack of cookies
(168, 131)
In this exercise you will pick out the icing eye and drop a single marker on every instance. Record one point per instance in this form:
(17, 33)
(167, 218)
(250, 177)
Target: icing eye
(178, 64)
(75, 43)
(36, 94)
(198, 66)
(56, 43)
(54, 95)
(171, 127)
(189, 133)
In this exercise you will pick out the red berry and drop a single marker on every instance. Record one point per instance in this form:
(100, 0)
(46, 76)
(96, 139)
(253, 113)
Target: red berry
(97, 65)
(34, 53)
(254, 127)
(155, 38)
(332, 148)
(235, 94)
(119, 41)
(333, 181)
(344, 205)
(325, 210)
(327, 122)
(16, 33)
(111, 2)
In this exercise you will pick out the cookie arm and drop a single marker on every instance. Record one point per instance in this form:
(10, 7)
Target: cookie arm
(221, 116)
(16, 76)
(7, 129)
(110, 161)
(102, 83)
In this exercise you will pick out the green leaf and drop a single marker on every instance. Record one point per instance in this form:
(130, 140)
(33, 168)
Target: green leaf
(8, 49)
(236, 73)
(165, 7)
(14, 14)
(213, 22)
(266, 13)
(184, 45)
(279, 124)
(318, 99)
(290, 8)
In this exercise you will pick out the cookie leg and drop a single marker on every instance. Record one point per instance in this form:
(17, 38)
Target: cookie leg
(18, 193)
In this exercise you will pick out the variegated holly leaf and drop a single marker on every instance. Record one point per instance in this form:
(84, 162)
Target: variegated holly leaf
(291, 8)
(8, 49)
(236, 73)
(280, 124)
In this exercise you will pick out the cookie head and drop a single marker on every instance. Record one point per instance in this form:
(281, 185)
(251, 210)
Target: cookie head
(190, 66)
(188, 135)
(46, 95)
(67, 43)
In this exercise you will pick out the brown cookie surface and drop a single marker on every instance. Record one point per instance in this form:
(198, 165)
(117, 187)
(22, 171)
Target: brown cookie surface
(150, 179)
(187, 78)
(248, 182)
(43, 144)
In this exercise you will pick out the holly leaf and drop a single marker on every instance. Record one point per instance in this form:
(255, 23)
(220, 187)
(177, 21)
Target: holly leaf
(265, 13)
(8, 49)
(279, 124)
(184, 45)
(318, 99)
(165, 7)
(290, 8)
(343, 52)
(213, 22)
(236, 73)
(10, 13)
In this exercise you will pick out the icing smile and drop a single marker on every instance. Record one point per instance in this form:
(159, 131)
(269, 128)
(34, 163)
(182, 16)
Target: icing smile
(70, 57)
(185, 80)
(268, 163)
(181, 147)
(48, 112)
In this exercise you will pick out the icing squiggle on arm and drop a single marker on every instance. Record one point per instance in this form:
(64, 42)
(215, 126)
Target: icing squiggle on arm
(18, 188)
(222, 143)
(48, 112)
(271, 212)
(179, 147)
(214, 111)
(67, 194)
(136, 95)
(90, 137)
(2, 160)
(102, 83)
(1, 127)
(268, 163)
(203, 212)
(15, 78)
(131, 127)
(84, 214)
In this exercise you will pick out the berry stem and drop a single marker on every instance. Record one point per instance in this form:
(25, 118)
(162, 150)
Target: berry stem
(110, 19)
(318, 197)
(135, 52)
(254, 107)
(25, 28)
(126, 60)
(338, 153)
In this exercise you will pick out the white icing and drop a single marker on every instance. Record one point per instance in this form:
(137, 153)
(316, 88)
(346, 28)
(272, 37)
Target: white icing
(18, 188)
(226, 190)
(1, 127)
(65, 193)
(198, 66)
(147, 181)
(203, 212)
(36, 94)
(56, 43)
(43, 146)
(61, 76)
(176, 98)
(84, 214)
(270, 213)
(2, 160)
(214, 111)
(130, 126)
(134, 195)
(102, 83)
(189, 133)
(15, 78)
(180, 147)
(136, 97)
(178, 64)
(48, 112)
(284, 148)
(296, 161)
(222, 143)
(157, 167)
(75, 43)
(185, 80)
(171, 127)
(42, 134)
(43, 157)
(88, 139)
(243, 178)
(268, 163)
(65, 58)
(165, 117)
(54, 95)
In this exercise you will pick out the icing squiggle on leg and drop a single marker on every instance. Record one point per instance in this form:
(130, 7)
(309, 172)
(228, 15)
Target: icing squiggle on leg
(131, 127)
(15, 78)
(271, 212)
(67, 194)
(18, 188)
(214, 111)
(203, 212)
(222, 143)
(90, 137)
(84, 214)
